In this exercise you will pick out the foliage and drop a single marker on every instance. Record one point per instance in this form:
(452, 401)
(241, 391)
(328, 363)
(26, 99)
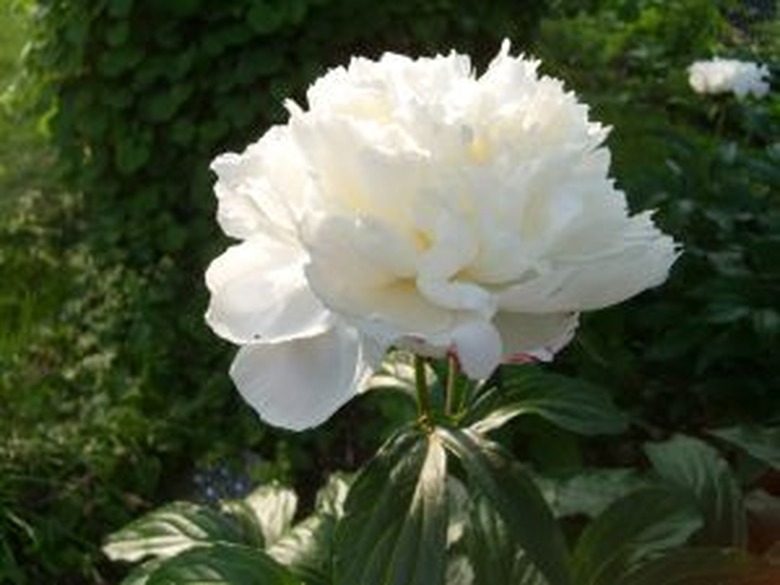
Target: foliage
(709, 166)
(112, 392)
(443, 503)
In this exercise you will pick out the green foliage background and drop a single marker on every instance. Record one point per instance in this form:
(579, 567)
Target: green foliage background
(113, 392)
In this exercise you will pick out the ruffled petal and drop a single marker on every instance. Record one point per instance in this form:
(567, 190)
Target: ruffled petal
(538, 336)
(640, 259)
(259, 294)
(300, 383)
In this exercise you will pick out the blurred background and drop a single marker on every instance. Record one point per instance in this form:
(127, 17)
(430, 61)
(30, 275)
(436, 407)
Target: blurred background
(114, 396)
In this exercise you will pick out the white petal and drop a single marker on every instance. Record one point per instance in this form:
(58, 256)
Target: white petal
(363, 269)
(300, 383)
(640, 259)
(534, 335)
(478, 347)
(259, 293)
(260, 188)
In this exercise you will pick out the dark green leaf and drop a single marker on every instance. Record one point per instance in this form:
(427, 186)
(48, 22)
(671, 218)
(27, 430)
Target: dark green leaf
(265, 17)
(573, 404)
(702, 566)
(394, 530)
(697, 470)
(515, 498)
(494, 555)
(119, 8)
(221, 564)
(131, 154)
(636, 526)
(763, 443)
(168, 531)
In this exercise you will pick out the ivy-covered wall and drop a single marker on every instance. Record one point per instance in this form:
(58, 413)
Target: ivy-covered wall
(147, 92)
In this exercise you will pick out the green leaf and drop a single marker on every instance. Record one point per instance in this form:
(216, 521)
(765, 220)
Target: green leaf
(131, 154)
(221, 564)
(763, 443)
(702, 566)
(307, 549)
(140, 575)
(169, 530)
(494, 555)
(636, 526)
(119, 8)
(273, 507)
(515, 498)
(589, 492)
(265, 17)
(575, 405)
(330, 499)
(394, 529)
(698, 471)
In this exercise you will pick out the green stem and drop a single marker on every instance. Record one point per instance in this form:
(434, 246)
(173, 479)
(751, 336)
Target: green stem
(450, 394)
(421, 384)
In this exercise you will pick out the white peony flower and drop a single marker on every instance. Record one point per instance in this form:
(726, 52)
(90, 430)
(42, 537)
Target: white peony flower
(416, 205)
(729, 75)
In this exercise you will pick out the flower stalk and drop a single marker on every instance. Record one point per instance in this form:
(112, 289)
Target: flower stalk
(421, 385)
(451, 402)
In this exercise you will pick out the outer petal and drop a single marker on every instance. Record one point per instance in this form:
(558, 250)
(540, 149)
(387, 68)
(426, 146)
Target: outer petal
(300, 383)
(641, 260)
(261, 188)
(539, 336)
(259, 293)
(478, 347)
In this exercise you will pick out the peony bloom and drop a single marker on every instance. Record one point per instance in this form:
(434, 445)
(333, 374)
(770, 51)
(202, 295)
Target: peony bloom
(418, 206)
(729, 75)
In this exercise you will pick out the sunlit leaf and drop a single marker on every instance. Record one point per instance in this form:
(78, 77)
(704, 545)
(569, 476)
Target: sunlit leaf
(394, 530)
(307, 548)
(516, 500)
(169, 530)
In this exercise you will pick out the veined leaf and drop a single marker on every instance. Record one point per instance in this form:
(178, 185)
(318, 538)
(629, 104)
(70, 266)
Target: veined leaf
(268, 510)
(697, 470)
(763, 443)
(221, 564)
(641, 524)
(515, 498)
(140, 575)
(169, 530)
(394, 530)
(307, 548)
(572, 404)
